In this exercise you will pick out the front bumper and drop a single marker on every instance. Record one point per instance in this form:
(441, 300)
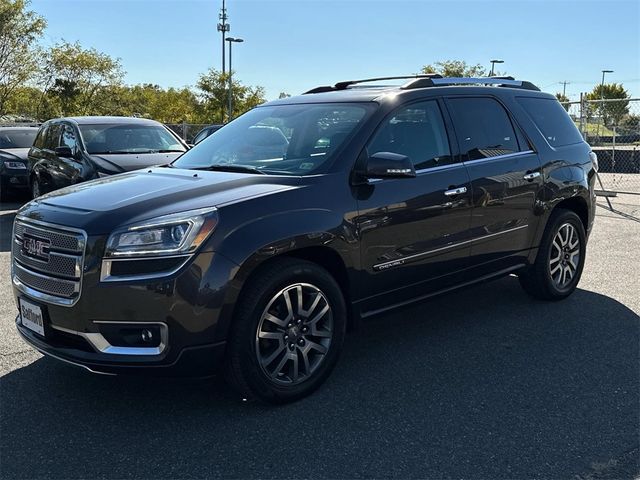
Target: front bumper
(192, 309)
(195, 361)
(14, 179)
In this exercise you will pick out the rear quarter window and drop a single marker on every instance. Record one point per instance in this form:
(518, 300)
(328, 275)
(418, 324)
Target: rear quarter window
(552, 120)
(39, 141)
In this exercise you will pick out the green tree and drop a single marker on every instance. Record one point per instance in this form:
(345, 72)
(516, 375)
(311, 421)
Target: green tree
(564, 100)
(213, 89)
(24, 101)
(631, 123)
(76, 75)
(610, 112)
(19, 31)
(455, 68)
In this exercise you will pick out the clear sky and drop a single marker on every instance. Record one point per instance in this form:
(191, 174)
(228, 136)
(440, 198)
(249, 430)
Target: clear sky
(292, 46)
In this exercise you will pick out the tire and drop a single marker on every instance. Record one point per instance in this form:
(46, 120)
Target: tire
(558, 266)
(254, 366)
(36, 191)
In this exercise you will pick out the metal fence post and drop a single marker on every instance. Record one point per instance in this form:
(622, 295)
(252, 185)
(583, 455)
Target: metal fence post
(582, 129)
(184, 130)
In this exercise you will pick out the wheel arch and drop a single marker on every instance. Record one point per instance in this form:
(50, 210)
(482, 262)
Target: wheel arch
(323, 256)
(579, 206)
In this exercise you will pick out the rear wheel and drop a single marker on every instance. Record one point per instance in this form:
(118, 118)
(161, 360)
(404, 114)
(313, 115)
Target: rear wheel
(287, 333)
(560, 260)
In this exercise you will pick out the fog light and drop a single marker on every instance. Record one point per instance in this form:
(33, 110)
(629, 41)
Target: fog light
(146, 335)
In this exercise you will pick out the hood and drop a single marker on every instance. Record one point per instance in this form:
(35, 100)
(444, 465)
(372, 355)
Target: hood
(100, 205)
(119, 163)
(14, 153)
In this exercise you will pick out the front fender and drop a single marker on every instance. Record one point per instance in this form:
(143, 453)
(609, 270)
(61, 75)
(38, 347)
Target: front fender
(252, 243)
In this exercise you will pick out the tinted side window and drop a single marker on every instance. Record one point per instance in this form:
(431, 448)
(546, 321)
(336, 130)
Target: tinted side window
(201, 136)
(39, 141)
(52, 137)
(483, 127)
(552, 120)
(416, 131)
(69, 138)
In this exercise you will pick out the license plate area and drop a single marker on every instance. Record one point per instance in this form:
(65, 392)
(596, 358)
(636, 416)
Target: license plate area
(31, 316)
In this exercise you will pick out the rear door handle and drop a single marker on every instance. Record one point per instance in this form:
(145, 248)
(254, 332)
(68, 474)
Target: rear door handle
(531, 176)
(455, 191)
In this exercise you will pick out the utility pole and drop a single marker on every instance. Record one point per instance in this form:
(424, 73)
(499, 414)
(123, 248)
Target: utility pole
(564, 87)
(223, 27)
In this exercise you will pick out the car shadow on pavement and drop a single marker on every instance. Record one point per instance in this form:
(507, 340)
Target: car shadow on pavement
(486, 383)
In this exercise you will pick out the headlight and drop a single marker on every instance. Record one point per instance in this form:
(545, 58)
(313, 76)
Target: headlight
(15, 165)
(176, 234)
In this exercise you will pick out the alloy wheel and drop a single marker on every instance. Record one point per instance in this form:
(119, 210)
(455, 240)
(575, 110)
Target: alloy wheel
(565, 255)
(294, 334)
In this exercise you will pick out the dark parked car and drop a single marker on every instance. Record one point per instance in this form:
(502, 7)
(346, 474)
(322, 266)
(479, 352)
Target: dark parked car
(14, 145)
(71, 150)
(232, 258)
(205, 132)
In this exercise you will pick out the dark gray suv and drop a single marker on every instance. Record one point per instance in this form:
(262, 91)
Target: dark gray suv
(256, 250)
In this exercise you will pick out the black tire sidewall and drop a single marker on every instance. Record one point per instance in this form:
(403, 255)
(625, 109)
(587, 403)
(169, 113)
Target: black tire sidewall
(247, 324)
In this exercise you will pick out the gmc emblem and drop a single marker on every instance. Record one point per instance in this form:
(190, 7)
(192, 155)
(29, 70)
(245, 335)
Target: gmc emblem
(36, 247)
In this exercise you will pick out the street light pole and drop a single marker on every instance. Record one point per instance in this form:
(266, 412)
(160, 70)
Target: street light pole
(602, 83)
(231, 41)
(493, 63)
(602, 98)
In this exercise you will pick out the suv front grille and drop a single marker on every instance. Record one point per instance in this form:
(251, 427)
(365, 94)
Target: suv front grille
(47, 261)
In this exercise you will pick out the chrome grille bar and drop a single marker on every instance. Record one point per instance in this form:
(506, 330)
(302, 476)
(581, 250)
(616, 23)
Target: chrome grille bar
(54, 276)
(59, 264)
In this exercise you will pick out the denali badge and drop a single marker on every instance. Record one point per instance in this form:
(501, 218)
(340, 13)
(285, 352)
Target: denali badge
(36, 247)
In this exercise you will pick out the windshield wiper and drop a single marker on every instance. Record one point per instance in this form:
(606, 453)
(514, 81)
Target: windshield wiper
(230, 168)
(110, 152)
(134, 152)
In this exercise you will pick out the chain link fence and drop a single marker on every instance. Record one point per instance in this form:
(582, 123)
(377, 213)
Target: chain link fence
(612, 128)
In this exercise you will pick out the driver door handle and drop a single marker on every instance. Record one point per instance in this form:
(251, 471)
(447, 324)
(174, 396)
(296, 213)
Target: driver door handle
(531, 176)
(455, 191)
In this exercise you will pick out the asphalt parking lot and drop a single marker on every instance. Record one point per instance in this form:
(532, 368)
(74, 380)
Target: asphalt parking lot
(483, 383)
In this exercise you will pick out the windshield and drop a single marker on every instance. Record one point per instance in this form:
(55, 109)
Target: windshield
(281, 139)
(17, 138)
(129, 138)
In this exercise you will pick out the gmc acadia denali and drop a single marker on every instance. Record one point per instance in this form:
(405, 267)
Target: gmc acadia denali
(256, 250)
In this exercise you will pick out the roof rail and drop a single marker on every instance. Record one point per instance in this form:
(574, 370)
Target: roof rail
(499, 81)
(345, 84)
(432, 80)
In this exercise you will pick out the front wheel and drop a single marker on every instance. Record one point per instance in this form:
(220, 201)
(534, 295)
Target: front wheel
(36, 191)
(558, 266)
(287, 333)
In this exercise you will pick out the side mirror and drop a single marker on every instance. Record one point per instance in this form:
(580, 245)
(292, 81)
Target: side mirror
(389, 165)
(64, 151)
